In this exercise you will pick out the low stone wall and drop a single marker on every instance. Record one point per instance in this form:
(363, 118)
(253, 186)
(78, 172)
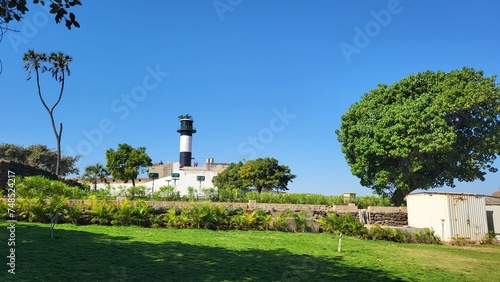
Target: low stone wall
(387, 216)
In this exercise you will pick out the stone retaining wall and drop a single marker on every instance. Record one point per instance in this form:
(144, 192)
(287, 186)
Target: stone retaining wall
(387, 216)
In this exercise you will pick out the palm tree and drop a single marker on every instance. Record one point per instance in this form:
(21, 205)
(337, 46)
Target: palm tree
(95, 173)
(35, 61)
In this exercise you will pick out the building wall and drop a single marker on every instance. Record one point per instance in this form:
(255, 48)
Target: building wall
(163, 170)
(493, 217)
(187, 178)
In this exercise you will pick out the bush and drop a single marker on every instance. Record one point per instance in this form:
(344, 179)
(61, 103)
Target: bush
(167, 193)
(209, 216)
(391, 234)
(73, 214)
(101, 194)
(39, 186)
(301, 221)
(156, 221)
(280, 222)
(345, 224)
(32, 210)
(366, 201)
(102, 212)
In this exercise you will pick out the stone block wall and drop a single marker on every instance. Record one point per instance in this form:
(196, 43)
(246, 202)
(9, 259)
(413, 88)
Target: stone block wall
(386, 216)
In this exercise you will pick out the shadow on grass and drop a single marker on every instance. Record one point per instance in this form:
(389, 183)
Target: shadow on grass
(84, 256)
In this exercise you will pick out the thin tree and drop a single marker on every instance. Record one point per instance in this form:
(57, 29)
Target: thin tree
(94, 174)
(59, 68)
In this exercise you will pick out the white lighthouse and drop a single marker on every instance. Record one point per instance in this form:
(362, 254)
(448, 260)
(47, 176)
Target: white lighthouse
(186, 144)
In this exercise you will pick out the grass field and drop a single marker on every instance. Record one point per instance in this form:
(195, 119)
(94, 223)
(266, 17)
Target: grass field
(99, 253)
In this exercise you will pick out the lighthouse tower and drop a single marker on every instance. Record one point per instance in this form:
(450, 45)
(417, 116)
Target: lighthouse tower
(186, 130)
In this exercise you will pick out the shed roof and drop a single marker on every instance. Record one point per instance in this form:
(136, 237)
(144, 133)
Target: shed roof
(491, 200)
(445, 193)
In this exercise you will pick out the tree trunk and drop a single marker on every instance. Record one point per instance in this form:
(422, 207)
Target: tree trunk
(58, 162)
(398, 197)
(51, 115)
(133, 182)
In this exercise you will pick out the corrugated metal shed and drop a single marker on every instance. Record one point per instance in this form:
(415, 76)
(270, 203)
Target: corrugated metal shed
(452, 216)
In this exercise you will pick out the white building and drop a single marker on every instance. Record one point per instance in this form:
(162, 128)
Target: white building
(171, 174)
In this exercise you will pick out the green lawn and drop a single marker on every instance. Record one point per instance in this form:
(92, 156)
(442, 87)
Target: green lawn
(99, 253)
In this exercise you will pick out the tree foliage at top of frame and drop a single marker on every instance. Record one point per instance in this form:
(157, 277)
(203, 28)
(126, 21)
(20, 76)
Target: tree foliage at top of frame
(14, 10)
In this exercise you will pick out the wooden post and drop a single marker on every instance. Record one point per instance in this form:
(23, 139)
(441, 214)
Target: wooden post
(340, 243)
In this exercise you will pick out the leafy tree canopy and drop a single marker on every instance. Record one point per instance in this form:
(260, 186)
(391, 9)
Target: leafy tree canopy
(425, 131)
(229, 179)
(39, 156)
(14, 10)
(127, 162)
(262, 173)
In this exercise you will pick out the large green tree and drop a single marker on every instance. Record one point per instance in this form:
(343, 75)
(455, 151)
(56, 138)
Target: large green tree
(59, 68)
(127, 162)
(39, 156)
(424, 131)
(261, 173)
(266, 174)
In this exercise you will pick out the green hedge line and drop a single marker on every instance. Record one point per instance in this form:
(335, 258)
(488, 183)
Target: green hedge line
(35, 185)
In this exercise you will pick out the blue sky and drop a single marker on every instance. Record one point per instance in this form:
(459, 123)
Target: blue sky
(260, 78)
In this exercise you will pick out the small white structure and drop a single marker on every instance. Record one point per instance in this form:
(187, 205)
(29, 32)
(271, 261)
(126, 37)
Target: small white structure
(452, 216)
(493, 214)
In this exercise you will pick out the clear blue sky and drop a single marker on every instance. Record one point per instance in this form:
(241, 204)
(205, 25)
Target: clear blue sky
(278, 72)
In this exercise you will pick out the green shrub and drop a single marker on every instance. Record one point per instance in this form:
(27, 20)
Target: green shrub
(39, 186)
(141, 214)
(263, 220)
(209, 216)
(242, 221)
(101, 194)
(345, 224)
(135, 192)
(32, 210)
(392, 234)
(4, 210)
(167, 193)
(102, 212)
(210, 194)
(364, 202)
(127, 213)
(73, 214)
(280, 222)
(156, 221)
(301, 221)
(376, 233)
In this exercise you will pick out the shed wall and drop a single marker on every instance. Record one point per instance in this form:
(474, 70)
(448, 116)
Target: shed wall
(451, 216)
(493, 218)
